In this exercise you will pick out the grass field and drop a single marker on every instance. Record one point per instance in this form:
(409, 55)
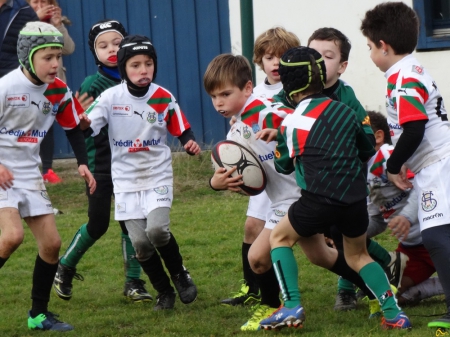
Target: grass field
(208, 226)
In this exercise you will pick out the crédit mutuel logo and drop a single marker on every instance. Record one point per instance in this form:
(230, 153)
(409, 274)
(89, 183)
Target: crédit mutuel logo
(136, 145)
(30, 136)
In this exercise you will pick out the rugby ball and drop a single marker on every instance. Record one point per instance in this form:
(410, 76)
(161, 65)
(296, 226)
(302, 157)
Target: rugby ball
(228, 154)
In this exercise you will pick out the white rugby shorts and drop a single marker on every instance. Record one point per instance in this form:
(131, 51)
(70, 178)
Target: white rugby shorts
(137, 205)
(27, 202)
(259, 206)
(433, 194)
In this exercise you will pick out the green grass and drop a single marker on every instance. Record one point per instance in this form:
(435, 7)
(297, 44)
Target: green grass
(208, 226)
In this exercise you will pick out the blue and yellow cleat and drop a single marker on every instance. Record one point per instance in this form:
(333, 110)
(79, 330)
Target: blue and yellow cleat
(401, 321)
(47, 321)
(285, 317)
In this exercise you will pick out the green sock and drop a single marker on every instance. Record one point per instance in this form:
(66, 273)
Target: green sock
(379, 253)
(346, 285)
(81, 242)
(131, 264)
(375, 279)
(287, 274)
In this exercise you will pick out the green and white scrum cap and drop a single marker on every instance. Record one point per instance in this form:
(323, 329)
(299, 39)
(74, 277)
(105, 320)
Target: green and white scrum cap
(36, 35)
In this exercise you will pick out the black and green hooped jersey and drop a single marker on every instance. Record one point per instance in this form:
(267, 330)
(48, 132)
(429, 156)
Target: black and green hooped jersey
(329, 146)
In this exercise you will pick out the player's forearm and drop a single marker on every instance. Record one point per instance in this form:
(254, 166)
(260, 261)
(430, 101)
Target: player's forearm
(76, 139)
(407, 144)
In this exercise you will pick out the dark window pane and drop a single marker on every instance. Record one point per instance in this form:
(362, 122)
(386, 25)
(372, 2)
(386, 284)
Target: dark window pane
(441, 9)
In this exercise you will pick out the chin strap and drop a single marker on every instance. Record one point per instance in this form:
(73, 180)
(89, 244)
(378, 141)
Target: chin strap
(137, 91)
(34, 76)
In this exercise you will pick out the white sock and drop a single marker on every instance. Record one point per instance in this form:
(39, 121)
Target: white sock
(428, 288)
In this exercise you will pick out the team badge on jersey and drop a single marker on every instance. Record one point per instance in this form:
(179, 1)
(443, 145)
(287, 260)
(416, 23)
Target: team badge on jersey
(428, 203)
(161, 190)
(160, 119)
(255, 127)
(55, 108)
(246, 132)
(151, 117)
(46, 108)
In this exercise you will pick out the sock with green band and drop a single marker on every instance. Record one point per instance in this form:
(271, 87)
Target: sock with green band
(344, 284)
(81, 242)
(131, 264)
(378, 253)
(375, 279)
(286, 270)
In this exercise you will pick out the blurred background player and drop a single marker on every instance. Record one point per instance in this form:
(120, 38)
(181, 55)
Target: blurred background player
(104, 39)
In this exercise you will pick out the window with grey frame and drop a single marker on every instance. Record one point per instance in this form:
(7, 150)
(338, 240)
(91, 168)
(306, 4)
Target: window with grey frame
(434, 32)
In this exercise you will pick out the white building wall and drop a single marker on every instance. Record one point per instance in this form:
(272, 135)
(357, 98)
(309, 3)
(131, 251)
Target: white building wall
(304, 17)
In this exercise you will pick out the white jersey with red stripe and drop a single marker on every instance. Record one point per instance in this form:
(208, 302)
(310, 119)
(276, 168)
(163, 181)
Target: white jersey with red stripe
(267, 91)
(256, 115)
(27, 111)
(138, 129)
(412, 95)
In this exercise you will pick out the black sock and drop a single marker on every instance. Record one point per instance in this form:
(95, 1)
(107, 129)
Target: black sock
(247, 270)
(270, 290)
(43, 276)
(341, 268)
(3, 261)
(170, 253)
(154, 269)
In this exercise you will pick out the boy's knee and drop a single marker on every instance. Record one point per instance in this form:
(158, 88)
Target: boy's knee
(259, 265)
(158, 226)
(144, 250)
(252, 229)
(53, 246)
(11, 241)
(159, 236)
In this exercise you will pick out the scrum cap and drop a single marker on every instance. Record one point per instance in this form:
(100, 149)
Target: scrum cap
(296, 69)
(102, 27)
(36, 35)
(135, 45)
